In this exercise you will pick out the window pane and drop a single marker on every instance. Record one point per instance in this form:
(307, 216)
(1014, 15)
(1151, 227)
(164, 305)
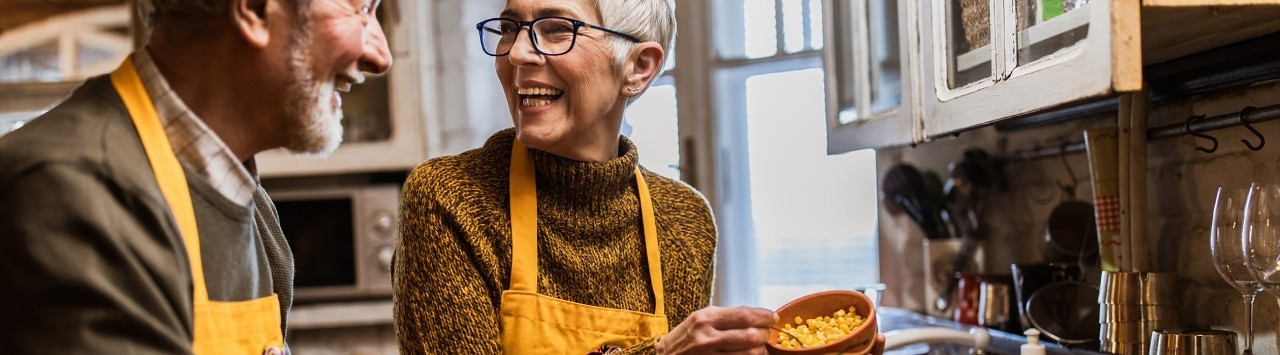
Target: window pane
(885, 68)
(760, 28)
(969, 34)
(793, 28)
(814, 214)
(38, 63)
(815, 24)
(1047, 27)
(651, 124)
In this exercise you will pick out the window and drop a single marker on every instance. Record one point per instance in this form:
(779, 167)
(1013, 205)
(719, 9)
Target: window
(792, 219)
(66, 47)
(651, 124)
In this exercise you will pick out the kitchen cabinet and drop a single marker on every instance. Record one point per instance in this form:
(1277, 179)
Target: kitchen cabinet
(385, 120)
(961, 64)
(868, 60)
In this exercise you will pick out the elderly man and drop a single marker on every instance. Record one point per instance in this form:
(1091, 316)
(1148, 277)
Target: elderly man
(133, 222)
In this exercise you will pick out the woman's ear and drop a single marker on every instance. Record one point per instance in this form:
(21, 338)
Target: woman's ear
(250, 18)
(646, 62)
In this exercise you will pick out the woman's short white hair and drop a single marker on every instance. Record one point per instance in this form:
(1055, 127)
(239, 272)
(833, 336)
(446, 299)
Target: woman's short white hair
(648, 20)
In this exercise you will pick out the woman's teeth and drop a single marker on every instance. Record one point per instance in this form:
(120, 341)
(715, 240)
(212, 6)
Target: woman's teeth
(538, 96)
(534, 102)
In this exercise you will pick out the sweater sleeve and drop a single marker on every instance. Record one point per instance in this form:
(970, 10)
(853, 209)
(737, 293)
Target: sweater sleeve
(442, 304)
(87, 268)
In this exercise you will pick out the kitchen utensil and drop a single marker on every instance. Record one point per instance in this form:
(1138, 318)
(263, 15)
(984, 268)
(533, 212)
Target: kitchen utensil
(858, 341)
(971, 179)
(905, 190)
(996, 308)
(1029, 278)
(1192, 342)
(940, 257)
(1132, 305)
(793, 336)
(1070, 234)
(1066, 312)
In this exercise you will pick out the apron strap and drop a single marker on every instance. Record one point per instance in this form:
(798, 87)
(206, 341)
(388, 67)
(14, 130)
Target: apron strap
(524, 227)
(165, 166)
(651, 243)
(524, 220)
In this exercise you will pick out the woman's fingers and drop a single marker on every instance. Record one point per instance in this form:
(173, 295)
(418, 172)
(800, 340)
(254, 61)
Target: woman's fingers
(879, 347)
(713, 329)
(736, 340)
(742, 317)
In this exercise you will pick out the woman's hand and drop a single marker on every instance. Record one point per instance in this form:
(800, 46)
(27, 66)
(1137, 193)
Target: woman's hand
(741, 330)
(878, 349)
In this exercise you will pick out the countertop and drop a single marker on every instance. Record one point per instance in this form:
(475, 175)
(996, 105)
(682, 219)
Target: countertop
(891, 319)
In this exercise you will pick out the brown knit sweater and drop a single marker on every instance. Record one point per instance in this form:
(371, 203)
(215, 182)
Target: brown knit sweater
(454, 256)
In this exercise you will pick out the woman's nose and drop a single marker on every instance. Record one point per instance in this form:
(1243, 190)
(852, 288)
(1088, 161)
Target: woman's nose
(522, 50)
(377, 55)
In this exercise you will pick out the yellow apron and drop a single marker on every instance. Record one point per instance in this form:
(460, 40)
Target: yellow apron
(538, 324)
(244, 327)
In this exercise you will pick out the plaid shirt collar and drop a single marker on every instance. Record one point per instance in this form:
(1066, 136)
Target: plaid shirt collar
(197, 147)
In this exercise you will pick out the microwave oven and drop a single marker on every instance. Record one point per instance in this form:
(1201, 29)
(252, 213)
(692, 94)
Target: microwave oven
(342, 239)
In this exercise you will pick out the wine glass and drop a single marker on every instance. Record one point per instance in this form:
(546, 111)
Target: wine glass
(1225, 246)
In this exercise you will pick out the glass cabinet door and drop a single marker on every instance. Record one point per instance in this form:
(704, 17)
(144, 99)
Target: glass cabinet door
(988, 60)
(968, 39)
(1039, 29)
(1046, 27)
(868, 64)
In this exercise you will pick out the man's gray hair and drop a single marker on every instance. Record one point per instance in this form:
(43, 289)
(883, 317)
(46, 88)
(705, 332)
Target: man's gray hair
(152, 9)
(648, 20)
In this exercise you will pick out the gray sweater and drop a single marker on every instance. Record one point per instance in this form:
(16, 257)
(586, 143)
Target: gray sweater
(90, 257)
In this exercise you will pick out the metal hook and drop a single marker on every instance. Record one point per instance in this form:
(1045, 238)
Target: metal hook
(1070, 190)
(1212, 148)
(1245, 122)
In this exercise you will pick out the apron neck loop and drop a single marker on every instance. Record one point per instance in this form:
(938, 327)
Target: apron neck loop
(524, 227)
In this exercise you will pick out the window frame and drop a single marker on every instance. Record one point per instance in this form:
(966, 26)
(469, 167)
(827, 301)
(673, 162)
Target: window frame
(711, 134)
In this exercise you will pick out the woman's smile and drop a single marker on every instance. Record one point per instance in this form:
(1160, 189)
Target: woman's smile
(538, 96)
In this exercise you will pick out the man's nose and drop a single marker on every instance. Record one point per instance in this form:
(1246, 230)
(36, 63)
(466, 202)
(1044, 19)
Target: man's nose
(377, 55)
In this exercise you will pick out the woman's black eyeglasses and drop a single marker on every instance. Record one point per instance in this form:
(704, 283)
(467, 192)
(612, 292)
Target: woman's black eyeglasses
(550, 35)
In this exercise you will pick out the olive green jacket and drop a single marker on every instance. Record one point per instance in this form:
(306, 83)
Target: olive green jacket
(91, 260)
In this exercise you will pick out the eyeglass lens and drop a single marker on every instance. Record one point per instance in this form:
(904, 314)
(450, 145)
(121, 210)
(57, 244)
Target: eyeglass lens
(551, 36)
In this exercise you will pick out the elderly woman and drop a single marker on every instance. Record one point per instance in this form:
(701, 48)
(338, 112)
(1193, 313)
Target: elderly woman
(551, 238)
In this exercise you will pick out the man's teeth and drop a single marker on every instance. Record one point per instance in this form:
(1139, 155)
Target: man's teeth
(342, 87)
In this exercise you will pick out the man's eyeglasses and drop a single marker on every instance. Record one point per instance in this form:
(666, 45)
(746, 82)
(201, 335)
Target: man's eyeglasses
(549, 35)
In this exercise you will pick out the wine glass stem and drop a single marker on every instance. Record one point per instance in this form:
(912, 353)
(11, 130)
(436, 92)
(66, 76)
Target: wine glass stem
(1249, 297)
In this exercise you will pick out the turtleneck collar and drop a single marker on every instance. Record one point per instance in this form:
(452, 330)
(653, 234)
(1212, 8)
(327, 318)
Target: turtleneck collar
(582, 180)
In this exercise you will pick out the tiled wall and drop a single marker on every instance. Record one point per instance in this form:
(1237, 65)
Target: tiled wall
(1181, 186)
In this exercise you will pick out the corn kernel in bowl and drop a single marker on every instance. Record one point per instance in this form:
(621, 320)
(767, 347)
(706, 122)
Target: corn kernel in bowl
(819, 330)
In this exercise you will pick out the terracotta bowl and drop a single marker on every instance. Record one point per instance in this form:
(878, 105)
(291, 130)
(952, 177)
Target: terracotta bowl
(826, 303)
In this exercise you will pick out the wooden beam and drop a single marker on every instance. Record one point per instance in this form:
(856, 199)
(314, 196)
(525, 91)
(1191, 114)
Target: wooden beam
(1176, 3)
(1126, 45)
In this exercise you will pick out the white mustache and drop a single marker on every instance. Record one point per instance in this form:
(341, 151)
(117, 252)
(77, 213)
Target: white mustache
(354, 76)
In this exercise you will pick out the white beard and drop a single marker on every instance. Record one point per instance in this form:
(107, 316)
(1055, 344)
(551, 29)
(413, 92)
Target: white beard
(314, 126)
